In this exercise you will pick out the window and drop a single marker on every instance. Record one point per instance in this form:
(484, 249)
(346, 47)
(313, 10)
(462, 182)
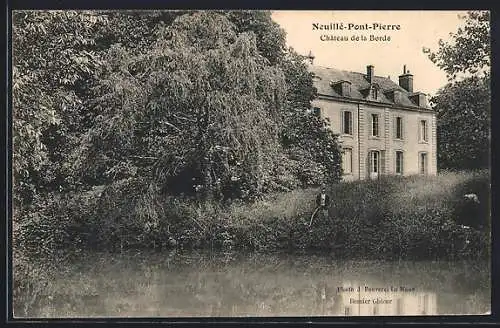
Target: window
(423, 131)
(347, 161)
(399, 162)
(375, 132)
(423, 163)
(346, 89)
(347, 122)
(374, 161)
(399, 127)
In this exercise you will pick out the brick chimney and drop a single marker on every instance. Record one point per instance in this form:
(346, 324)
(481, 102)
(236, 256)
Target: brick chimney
(406, 80)
(370, 72)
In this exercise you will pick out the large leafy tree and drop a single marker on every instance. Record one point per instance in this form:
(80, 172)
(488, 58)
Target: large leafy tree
(205, 109)
(270, 37)
(464, 104)
(463, 112)
(134, 30)
(53, 58)
(57, 58)
(311, 152)
(184, 98)
(307, 139)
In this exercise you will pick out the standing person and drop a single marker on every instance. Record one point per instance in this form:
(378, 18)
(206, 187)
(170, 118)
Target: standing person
(323, 201)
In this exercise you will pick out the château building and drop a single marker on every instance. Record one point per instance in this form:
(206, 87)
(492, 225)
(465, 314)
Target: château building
(385, 128)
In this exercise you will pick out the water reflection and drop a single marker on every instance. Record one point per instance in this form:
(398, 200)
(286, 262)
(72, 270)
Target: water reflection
(219, 284)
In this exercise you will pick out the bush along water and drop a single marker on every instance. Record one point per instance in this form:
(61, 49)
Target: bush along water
(393, 217)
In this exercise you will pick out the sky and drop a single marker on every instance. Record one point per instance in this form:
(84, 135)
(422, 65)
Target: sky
(417, 29)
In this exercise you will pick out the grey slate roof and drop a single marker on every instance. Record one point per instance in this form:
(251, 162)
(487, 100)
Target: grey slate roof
(324, 75)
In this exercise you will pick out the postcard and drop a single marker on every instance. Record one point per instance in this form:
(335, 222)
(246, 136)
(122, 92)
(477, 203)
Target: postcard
(250, 163)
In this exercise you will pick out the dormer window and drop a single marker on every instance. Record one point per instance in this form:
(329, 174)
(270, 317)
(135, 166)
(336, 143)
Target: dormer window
(395, 95)
(372, 91)
(419, 99)
(346, 89)
(342, 87)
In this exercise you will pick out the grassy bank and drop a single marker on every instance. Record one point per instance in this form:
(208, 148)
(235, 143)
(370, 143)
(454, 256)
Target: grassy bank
(412, 217)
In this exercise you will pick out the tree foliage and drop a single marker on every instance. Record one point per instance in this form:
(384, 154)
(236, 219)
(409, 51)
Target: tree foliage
(469, 50)
(463, 113)
(53, 57)
(464, 104)
(57, 57)
(307, 138)
(204, 109)
(210, 103)
(134, 30)
(270, 37)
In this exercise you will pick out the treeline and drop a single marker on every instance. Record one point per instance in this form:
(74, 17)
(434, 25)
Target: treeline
(196, 104)
(463, 105)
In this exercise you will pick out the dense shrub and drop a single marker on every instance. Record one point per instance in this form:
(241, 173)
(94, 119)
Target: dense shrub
(58, 222)
(31, 282)
(393, 217)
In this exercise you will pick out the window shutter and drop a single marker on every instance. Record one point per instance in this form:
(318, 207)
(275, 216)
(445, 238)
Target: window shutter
(395, 126)
(426, 133)
(350, 123)
(402, 162)
(399, 162)
(350, 160)
(343, 161)
(419, 130)
(341, 122)
(396, 158)
(370, 162)
(372, 125)
(382, 162)
(403, 129)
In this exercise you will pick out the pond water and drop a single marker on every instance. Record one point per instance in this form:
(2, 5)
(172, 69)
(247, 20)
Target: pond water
(186, 284)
